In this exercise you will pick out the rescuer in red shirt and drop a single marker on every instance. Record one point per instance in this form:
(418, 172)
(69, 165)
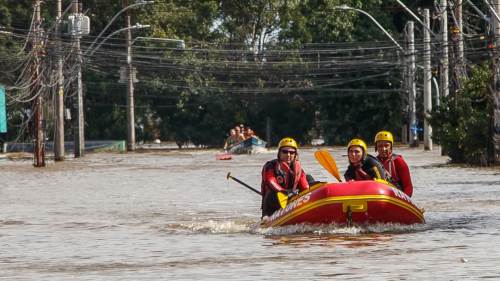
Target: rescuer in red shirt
(283, 174)
(394, 164)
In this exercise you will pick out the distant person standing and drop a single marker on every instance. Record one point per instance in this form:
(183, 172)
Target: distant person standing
(362, 166)
(283, 174)
(394, 164)
(232, 139)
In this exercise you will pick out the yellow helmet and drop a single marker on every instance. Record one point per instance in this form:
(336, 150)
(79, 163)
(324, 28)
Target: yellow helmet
(357, 142)
(288, 142)
(384, 136)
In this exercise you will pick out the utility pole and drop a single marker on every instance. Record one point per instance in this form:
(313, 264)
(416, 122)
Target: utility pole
(444, 78)
(457, 47)
(79, 146)
(496, 91)
(39, 145)
(459, 34)
(427, 82)
(412, 85)
(405, 101)
(130, 86)
(59, 110)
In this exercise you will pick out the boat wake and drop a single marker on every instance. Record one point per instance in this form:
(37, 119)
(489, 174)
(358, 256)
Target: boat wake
(335, 229)
(252, 227)
(210, 226)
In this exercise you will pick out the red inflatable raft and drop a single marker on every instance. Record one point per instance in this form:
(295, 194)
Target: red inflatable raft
(355, 202)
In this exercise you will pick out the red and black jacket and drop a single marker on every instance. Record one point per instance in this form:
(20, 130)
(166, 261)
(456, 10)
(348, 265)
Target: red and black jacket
(278, 176)
(399, 173)
(370, 169)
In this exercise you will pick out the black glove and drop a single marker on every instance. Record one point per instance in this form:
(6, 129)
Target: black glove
(292, 193)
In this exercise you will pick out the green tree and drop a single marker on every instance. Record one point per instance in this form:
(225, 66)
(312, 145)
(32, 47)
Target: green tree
(462, 123)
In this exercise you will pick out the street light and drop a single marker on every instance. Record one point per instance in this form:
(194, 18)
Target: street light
(130, 86)
(139, 3)
(415, 17)
(136, 26)
(345, 7)
(492, 10)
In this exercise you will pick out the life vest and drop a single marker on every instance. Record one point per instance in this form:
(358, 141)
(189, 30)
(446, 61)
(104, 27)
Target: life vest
(390, 169)
(287, 177)
(371, 168)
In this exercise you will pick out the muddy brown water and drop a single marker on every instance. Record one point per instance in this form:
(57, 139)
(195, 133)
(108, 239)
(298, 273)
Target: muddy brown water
(174, 216)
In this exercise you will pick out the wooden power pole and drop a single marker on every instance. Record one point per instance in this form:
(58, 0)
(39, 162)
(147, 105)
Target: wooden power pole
(39, 142)
(496, 91)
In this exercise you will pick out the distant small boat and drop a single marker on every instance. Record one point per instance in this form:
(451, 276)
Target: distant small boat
(223, 156)
(248, 146)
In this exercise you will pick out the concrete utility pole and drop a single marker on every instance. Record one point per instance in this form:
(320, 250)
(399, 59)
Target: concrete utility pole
(458, 46)
(496, 92)
(59, 110)
(79, 138)
(39, 145)
(406, 71)
(460, 35)
(444, 64)
(427, 82)
(412, 84)
(130, 86)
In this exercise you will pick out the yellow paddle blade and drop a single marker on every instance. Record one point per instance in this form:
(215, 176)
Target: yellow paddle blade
(283, 199)
(326, 160)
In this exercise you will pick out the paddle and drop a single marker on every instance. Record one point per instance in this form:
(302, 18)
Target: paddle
(326, 160)
(282, 198)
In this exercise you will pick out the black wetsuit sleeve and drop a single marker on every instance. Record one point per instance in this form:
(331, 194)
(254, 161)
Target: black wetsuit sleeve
(374, 168)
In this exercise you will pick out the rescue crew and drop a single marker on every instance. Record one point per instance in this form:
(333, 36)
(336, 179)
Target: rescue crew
(362, 166)
(394, 164)
(283, 174)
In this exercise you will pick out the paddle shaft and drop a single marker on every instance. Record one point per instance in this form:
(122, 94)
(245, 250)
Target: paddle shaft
(282, 198)
(244, 184)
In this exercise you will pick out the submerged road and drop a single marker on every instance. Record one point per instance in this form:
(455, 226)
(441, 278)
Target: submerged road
(174, 216)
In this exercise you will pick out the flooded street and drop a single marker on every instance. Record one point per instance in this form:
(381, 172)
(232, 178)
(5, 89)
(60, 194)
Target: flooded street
(173, 215)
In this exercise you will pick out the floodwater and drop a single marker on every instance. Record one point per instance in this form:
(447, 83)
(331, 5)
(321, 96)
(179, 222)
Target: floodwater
(173, 215)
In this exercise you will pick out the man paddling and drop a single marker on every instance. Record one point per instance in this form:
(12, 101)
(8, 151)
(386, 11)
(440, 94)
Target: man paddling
(283, 174)
(394, 164)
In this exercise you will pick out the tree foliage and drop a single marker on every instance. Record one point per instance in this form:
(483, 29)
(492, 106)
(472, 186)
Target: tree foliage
(246, 61)
(462, 122)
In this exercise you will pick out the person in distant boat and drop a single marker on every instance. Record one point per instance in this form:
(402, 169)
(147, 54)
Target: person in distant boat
(362, 166)
(283, 174)
(394, 164)
(232, 139)
(239, 134)
(249, 133)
